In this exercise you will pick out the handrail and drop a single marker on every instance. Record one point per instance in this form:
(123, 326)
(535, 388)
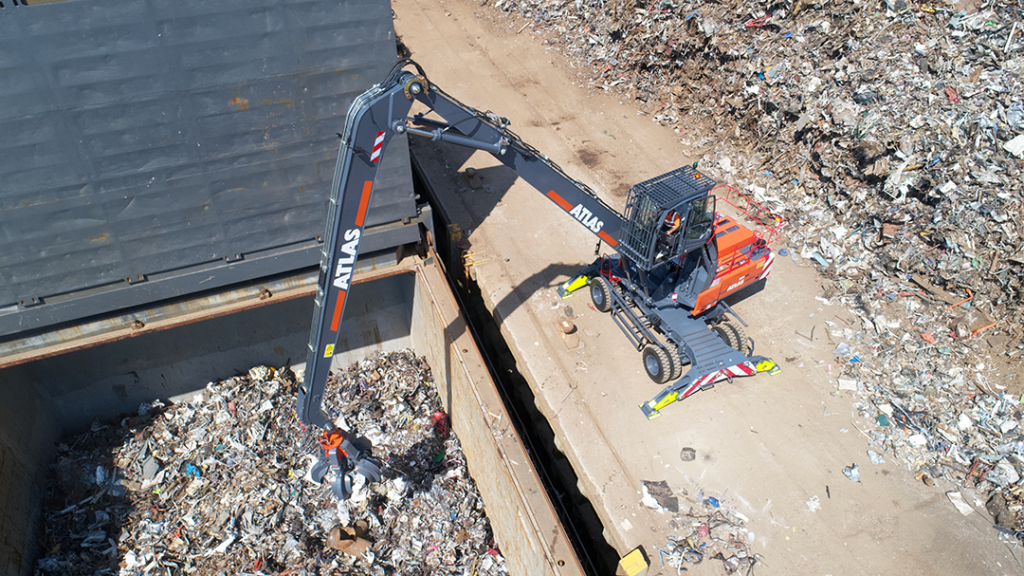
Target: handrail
(738, 259)
(771, 223)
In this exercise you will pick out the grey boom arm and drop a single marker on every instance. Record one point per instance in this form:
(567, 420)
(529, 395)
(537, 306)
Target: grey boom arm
(373, 120)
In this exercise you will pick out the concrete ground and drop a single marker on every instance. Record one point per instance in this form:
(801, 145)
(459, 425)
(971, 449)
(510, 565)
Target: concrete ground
(768, 447)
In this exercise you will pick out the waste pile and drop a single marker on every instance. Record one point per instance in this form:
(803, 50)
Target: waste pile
(927, 400)
(704, 529)
(219, 485)
(890, 136)
(902, 121)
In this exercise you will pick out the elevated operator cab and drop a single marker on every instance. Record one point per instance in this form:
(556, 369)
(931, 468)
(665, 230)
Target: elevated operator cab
(653, 206)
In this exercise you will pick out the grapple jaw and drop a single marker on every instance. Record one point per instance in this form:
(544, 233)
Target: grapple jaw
(339, 457)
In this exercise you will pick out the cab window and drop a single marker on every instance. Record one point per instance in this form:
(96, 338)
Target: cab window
(702, 216)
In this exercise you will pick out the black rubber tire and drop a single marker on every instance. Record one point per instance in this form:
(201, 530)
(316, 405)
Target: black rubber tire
(733, 335)
(657, 364)
(677, 364)
(601, 294)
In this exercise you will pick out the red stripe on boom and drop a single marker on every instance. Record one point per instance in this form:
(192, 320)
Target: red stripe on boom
(338, 307)
(560, 201)
(604, 236)
(364, 202)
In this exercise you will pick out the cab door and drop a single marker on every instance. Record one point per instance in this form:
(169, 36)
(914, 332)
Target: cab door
(700, 220)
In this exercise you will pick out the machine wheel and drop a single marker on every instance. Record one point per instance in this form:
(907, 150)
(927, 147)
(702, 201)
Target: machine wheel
(733, 335)
(677, 364)
(657, 364)
(600, 293)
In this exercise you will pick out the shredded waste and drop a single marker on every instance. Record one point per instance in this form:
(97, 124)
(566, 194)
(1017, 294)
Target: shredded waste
(890, 136)
(218, 485)
(703, 527)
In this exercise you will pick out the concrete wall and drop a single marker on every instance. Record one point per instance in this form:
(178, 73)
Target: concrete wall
(526, 526)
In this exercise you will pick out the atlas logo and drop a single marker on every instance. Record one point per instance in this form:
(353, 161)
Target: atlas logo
(587, 218)
(343, 273)
(737, 284)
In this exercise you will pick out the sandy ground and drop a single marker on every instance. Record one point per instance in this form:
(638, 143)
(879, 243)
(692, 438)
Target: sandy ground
(772, 448)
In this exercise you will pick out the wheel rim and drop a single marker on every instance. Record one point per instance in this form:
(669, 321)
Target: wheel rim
(651, 363)
(596, 294)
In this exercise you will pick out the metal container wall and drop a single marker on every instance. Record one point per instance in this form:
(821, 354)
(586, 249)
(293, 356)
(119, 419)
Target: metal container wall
(406, 306)
(162, 148)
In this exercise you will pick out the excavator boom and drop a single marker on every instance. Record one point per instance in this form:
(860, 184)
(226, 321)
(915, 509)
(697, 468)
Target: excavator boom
(374, 118)
(664, 284)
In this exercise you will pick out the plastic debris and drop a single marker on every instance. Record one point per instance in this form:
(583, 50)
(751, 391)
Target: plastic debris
(852, 472)
(633, 564)
(1015, 146)
(217, 485)
(658, 496)
(958, 501)
(705, 527)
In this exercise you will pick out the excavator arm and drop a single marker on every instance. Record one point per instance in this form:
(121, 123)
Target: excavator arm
(675, 283)
(465, 126)
(374, 118)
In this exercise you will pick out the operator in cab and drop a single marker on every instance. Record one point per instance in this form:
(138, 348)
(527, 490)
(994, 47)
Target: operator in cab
(672, 222)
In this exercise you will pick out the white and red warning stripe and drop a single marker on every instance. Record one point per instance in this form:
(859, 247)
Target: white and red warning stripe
(742, 369)
(692, 388)
(767, 265)
(739, 370)
(378, 145)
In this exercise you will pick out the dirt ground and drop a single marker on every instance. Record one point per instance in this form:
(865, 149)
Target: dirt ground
(772, 448)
